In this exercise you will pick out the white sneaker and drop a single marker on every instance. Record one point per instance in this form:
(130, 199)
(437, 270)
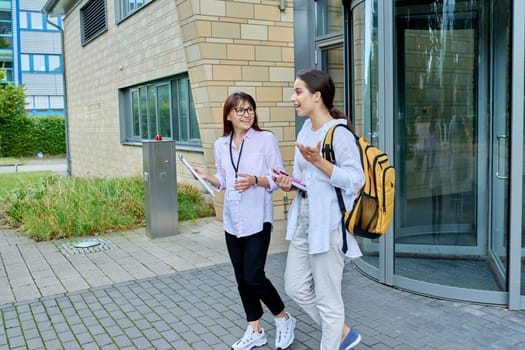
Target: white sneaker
(250, 339)
(284, 333)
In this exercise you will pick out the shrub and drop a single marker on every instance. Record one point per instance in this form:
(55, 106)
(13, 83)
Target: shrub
(62, 207)
(22, 136)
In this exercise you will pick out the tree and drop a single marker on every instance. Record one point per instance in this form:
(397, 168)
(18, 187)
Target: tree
(13, 118)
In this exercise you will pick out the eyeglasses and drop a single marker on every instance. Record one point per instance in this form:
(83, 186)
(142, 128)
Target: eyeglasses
(240, 111)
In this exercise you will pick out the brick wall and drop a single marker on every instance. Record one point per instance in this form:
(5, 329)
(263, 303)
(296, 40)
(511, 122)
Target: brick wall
(225, 46)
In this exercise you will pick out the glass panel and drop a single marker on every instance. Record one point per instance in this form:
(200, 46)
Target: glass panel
(184, 110)
(36, 20)
(195, 135)
(152, 113)
(163, 98)
(175, 109)
(5, 28)
(364, 75)
(329, 16)
(42, 102)
(143, 112)
(54, 63)
(333, 64)
(29, 102)
(135, 108)
(56, 102)
(39, 63)
(444, 152)
(6, 42)
(25, 62)
(523, 220)
(500, 78)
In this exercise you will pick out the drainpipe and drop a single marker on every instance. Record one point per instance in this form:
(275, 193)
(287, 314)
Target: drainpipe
(66, 123)
(282, 5)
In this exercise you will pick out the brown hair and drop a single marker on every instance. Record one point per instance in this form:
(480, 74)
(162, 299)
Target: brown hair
(232, 102)
(317, 80)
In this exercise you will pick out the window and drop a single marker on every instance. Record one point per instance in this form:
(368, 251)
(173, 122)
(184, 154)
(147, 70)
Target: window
(36, 20)
(53, 63)
(29, 103)
(41, 63)
(25, 62)
(93, 20)
(32, 20)
(127, 7)
(6, 41)
(23, 20)
(41, 102)
(161, 107)
(56, 102)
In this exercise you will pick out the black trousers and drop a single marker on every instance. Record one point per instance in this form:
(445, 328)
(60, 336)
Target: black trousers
(248, 257)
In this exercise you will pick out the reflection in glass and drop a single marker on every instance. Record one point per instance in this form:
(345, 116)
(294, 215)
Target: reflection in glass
(143, 92)
(329, 16)
(135, 125)
(163, 101)
(152, 113)
(194, 125)
(443, 147)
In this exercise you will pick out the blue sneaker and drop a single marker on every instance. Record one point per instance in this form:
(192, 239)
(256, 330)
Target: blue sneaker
(352, 339)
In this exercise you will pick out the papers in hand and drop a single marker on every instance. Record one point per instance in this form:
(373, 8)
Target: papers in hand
(295, 182)
(197, 176)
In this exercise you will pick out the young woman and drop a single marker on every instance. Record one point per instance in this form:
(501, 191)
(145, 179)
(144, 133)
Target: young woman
(315, 262)
(243, 157)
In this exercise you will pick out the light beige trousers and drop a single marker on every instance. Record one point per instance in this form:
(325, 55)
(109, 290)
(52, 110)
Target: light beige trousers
(313, 281)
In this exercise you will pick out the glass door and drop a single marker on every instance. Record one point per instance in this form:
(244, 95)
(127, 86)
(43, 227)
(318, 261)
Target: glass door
(364, 94)
(451, 142)
(500, 110)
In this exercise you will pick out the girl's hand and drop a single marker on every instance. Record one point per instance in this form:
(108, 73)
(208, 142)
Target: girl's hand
(310, 154)
(284, 182)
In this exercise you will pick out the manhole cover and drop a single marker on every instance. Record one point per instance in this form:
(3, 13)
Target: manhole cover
(86, 246)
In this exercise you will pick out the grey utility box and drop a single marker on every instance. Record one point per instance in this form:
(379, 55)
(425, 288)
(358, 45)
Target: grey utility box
(160, 188)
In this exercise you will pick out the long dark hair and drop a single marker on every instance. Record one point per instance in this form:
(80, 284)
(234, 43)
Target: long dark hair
(232, 102)
(317, 80)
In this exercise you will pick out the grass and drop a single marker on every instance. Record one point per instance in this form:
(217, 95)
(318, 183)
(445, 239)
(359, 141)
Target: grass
(10, 181)
(48, 206)
(9, 161)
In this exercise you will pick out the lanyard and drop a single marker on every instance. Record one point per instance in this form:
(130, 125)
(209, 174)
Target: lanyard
(235, 167)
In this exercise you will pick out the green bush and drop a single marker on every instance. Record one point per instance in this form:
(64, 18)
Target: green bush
(62, 207)
(23, 136)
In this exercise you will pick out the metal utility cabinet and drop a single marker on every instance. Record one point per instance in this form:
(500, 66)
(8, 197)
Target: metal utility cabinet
(160, 188)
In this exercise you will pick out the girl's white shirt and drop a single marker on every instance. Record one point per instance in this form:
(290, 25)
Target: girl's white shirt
(324, 211)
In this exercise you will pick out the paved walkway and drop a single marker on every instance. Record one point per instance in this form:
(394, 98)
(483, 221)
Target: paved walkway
(54, 164)
(178, 292)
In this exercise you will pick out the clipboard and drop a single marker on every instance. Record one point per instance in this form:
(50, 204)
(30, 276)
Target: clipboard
(295, 182)
(197, 176)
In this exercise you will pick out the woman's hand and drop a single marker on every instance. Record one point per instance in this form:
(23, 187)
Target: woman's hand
(243, 182)
(202, 172)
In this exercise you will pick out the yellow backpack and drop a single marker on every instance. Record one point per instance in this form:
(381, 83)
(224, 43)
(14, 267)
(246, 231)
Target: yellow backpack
(373, 208)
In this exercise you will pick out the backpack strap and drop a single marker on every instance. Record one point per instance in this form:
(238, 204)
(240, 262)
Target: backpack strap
(329, 154)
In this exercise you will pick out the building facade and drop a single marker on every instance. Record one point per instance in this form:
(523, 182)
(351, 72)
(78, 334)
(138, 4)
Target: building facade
(31, 53)
(136, 69)
(438, 85)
